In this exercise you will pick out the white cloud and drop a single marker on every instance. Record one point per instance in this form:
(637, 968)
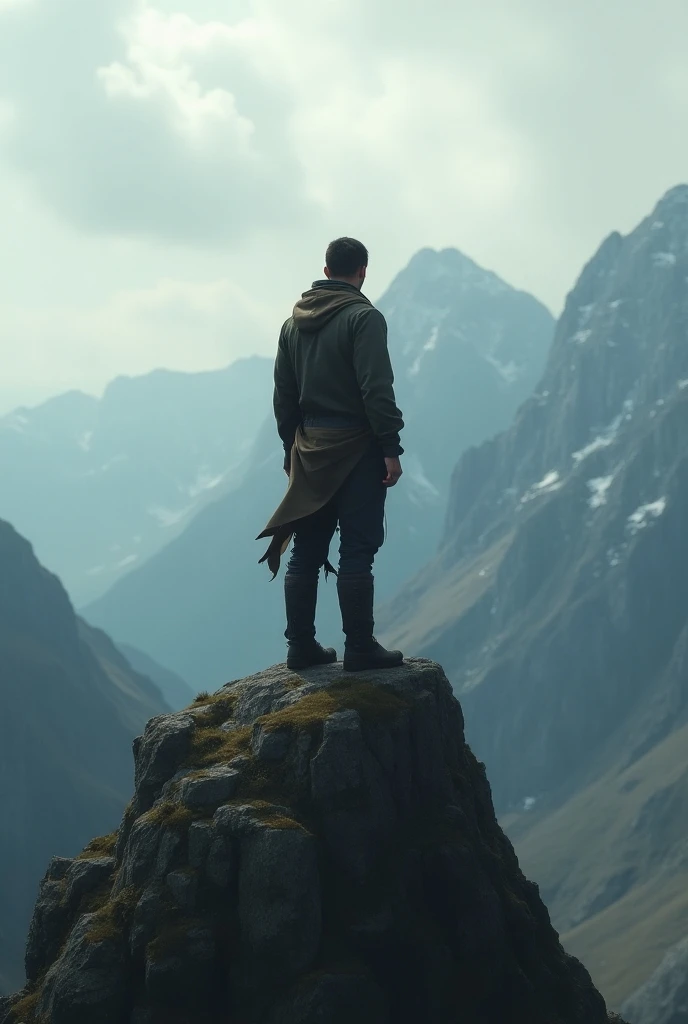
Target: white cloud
(231, 141)
(158, 70)
(176, 324)
(136, 132)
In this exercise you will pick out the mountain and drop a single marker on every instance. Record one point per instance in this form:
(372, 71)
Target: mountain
(466, 348)
(303, 849)
(557, 607)
(664, 998)
(611, 863)
(175, 691)
(102, 484)
(69, 708)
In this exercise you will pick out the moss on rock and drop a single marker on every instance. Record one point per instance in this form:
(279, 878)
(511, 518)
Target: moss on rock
(103, 846)
(113, 919)
(373, 704)
(211, 745)
(24, 1011)
(170, 814)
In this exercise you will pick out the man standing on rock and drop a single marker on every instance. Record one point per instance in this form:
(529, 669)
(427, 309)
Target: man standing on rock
(338, 419)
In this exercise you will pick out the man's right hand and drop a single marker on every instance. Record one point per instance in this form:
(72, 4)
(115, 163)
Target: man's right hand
(394, 472)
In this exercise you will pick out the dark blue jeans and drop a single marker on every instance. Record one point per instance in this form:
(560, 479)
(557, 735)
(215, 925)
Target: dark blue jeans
(358, 508)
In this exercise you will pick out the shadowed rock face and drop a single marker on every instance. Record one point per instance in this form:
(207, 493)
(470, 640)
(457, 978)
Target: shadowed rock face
(303, 849)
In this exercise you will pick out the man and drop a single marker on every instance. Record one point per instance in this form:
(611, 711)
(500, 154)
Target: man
(337, 416)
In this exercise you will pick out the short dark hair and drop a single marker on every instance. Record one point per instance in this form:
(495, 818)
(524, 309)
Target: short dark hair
(345, 256)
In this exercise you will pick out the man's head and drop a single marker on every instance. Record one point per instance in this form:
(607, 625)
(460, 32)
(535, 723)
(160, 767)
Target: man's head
(346, 260)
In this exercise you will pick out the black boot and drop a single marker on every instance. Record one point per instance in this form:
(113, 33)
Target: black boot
(363, 652)
(301, 595)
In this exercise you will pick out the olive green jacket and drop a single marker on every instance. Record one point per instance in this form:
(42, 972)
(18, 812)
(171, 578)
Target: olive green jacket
(333, 360)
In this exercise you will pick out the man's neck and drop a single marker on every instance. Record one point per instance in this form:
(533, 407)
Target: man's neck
(343, 280)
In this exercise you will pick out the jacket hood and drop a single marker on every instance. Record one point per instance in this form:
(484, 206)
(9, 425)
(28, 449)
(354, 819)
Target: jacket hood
(322, 302)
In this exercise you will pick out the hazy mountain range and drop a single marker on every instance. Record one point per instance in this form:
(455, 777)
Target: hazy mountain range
(99, 485)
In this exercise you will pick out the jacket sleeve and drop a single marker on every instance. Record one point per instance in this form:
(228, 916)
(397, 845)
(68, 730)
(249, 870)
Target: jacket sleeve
(375, 378)
(286, 395)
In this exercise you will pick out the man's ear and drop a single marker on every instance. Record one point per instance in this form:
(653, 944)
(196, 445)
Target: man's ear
(326, 272)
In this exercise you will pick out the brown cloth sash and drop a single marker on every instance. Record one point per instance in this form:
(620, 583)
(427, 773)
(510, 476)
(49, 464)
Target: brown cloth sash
(321, 460)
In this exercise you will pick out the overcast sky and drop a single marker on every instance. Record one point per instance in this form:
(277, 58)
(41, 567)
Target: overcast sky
(171, 171)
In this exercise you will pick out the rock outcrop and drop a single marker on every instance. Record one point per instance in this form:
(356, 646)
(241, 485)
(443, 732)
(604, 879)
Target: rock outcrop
(664, 998)
(301, 850)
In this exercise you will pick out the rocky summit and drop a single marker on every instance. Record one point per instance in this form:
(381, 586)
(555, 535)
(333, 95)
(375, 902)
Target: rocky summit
(302, 849)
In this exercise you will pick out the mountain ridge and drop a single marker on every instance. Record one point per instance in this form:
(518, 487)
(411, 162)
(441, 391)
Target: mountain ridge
(555, 597)
(122, 474)
(69, 708)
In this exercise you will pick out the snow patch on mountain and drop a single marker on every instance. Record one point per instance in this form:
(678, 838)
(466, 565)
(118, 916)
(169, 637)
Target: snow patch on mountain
(509, 372)
(664, 259)
(168, 517)
(429, 346)
(614, 557)
(599, 487)
(550, 482)
(603, 440)
(205, 481)
(608, 436)
(644, 515)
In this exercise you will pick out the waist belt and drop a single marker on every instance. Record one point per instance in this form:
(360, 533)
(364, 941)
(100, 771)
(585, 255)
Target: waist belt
(334, 422)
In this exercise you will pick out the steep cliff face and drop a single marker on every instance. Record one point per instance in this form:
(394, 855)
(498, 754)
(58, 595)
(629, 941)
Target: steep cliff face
(69, 706)
(303, 849)
(561, 616)
(555, 591)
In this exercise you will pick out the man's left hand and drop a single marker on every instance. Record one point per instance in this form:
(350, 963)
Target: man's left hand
(394, 472)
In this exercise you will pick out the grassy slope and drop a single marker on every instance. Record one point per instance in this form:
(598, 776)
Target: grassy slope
(629, 822)
(438, 597)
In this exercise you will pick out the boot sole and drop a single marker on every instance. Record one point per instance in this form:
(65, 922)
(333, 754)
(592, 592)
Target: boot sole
(370, 665)
(300, 663)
